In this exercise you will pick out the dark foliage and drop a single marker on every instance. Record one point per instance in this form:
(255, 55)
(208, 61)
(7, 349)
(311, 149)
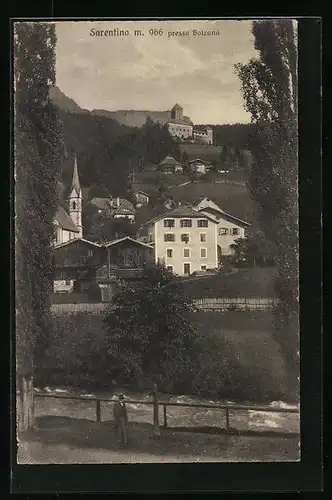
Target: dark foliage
(38, 157)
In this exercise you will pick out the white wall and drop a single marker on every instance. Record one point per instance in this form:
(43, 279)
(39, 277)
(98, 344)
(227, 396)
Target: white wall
(194, 245)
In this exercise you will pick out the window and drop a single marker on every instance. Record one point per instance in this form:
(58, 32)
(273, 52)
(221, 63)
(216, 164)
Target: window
(90, 253)
(67, 282)
(203, 253)
(150, 236)
(169, 222)
(169, 237)
(186, 223)
(223, 231)
(235, 231)
(185, 238)
(170, 268)
(169, 253)
(186, 252)
(202, 223)
(203, 268)
(186, 268)
(203, 237)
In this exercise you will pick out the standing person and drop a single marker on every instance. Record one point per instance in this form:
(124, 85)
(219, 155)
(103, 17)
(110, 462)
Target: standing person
(121, 419)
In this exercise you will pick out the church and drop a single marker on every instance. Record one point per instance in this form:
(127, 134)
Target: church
(68, 225)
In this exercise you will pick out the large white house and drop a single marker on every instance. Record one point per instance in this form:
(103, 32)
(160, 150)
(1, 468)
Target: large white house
(229, 227)
(68, 226)
(185, 240)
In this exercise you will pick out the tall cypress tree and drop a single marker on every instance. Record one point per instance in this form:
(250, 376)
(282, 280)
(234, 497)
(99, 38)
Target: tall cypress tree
(37, 156)
(269, 85)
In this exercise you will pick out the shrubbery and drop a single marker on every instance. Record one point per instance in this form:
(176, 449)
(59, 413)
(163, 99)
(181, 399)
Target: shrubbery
(77, 357)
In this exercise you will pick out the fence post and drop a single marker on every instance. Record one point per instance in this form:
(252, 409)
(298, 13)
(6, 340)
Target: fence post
(98, 410)
(165, 416)
(227, 419)
(156, 428)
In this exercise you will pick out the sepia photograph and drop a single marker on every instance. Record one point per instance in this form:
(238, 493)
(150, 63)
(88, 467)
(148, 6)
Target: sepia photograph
(155, 174)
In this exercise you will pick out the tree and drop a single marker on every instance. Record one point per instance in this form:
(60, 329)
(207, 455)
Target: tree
(38, 154)
(253, 249)
(149, 330)
(269, 85)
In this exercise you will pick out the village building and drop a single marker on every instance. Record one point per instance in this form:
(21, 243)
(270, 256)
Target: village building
(229, 228)
(203, 133)
(68, 225)
(185, 240)
(120, 208)
(141, 198)
(75, 264)
(170, 165)
(199, 166)
(179, 126)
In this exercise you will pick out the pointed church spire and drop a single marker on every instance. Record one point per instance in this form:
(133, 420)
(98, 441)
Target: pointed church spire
(75, 183)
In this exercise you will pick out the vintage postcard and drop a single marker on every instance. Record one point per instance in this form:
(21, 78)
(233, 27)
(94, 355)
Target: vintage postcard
(156, 240)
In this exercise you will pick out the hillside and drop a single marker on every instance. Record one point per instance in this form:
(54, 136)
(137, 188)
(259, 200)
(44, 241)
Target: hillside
(63, 102)
(134, 118)
(232, 198)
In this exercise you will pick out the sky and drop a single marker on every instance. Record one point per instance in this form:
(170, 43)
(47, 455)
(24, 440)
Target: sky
(155, 72)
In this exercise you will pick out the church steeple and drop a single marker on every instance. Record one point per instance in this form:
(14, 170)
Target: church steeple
(75, 201)
(75, 182)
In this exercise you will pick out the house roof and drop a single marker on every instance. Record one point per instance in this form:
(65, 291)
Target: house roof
(64, 221)
(185, 121)
(176, 105)
(125, 207)
(221, 214)
(101, 203)
(76, 240)
(169, 160)
(126, 238)
(141, 192)
(181, 211)
(199, 160)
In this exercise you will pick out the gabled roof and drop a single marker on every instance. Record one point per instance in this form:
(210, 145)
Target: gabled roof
(64, 221)
(125, 207)
(200, 160)
(142, 192)
(76, 240)
(126, 238)
(181, 211)
(223, 215)
(169, 160)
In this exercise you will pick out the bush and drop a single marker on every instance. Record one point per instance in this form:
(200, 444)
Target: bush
(77, 357)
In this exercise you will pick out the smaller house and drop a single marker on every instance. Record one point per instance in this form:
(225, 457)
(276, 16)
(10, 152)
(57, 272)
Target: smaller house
(199, 166)
(229, 228)
(170, 165)
(203, 133)
(122, 208)
(75, 263)
(141, 197)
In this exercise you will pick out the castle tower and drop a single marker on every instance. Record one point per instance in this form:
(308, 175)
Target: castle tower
(75, 201)
(177, 112)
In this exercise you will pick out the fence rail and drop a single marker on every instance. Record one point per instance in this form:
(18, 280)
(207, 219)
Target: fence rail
(202, 304)
(164, 404)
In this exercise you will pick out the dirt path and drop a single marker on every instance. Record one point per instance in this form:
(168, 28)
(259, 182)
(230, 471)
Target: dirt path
(82, 441)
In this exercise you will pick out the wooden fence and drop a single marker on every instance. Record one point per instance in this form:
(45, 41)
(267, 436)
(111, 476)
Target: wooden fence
(164, 404)
(202, 304)
(235, 304)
